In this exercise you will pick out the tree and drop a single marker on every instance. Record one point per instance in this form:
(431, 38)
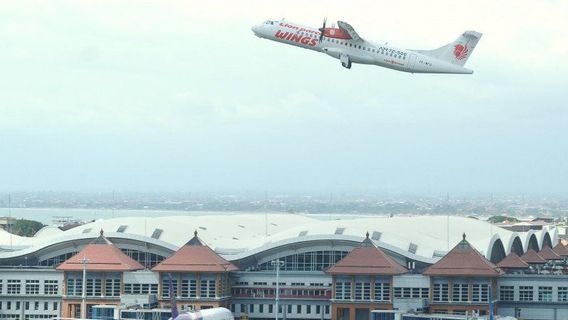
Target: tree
(26, 228)
(499, 219)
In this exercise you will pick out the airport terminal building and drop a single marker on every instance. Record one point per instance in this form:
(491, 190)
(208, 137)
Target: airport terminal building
(327, 268)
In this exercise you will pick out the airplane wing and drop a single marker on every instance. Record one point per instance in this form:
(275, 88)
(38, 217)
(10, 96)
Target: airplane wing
(349, 29)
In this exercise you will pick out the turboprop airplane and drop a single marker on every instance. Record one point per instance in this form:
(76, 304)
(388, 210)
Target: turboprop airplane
(345, 44)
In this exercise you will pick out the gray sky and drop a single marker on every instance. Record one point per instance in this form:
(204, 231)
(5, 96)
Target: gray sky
(179, 95)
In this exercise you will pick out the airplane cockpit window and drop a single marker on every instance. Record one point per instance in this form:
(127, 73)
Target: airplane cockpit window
(269, 22)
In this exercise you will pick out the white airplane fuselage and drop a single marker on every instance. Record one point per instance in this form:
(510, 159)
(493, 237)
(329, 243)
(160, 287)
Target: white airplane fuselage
(337, 44)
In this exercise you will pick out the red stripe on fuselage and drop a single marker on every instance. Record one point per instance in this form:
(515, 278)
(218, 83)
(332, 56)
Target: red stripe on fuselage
(336, 33)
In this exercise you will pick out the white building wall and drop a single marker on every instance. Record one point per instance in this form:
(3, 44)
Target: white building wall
(32, 297)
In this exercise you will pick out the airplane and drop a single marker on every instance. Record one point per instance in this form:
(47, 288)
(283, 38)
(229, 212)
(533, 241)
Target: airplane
(345, 44)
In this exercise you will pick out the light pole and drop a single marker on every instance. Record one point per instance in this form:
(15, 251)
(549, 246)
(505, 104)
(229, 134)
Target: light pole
(84, 262)
(277, 263)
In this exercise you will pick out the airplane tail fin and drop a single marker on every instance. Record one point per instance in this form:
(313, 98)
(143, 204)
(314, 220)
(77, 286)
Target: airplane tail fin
(458, 51)
(175, 312)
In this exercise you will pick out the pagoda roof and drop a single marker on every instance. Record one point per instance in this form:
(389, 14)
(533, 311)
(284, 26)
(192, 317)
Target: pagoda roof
(561, 250)
(547, 253)
(513, 261)
(100, 255)
(463, 260)
(195, 256)
(367, 259)
(533, 257)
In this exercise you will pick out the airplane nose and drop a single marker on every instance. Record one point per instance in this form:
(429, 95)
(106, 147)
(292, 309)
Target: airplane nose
(256, 30)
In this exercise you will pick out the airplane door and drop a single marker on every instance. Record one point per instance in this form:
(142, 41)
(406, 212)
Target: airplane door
(411, 62)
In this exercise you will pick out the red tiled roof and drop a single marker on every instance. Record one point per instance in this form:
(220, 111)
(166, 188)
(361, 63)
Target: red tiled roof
(561, 250)
(532, 256)
(513, 261)
(463, 260)
(368, 260)
(549, 254)
(102, 255)
(195, 256)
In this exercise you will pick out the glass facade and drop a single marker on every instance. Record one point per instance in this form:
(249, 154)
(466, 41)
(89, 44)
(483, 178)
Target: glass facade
(460, 292)
(32, 287)
(507, 293)
(480, 292)
(112, 287)
(147, 259)
(362, 291)
(166, 286)
(140, 288)
(189, 288)
(562, 294)
(207, 289)
(440, 292)
(57, 260)
(525, 293)
(307, 261)
(343, 290)
(382, 291)
(545, 294)
(50, 287)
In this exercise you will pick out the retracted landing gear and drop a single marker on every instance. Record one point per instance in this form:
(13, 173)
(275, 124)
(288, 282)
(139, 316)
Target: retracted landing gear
(345, 61)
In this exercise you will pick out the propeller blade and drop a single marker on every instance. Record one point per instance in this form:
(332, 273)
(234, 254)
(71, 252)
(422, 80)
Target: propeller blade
(322, 29)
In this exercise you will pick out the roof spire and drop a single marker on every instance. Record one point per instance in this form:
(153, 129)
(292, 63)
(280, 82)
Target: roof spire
(101, 239)
(367, 242)
(195, 241)
(463, 236)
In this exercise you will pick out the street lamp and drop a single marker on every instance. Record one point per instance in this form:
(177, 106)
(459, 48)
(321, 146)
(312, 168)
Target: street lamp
(84, 262)
(277, 263)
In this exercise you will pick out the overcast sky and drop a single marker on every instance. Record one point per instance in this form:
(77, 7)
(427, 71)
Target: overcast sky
(181, 96)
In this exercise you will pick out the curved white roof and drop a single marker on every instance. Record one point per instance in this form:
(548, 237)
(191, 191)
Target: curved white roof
(424, 238)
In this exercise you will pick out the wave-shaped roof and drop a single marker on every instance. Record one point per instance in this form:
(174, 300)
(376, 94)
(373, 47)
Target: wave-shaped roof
(234, 236)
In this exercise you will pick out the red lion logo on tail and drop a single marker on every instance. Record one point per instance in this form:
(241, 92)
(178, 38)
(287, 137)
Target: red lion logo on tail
(460, 51)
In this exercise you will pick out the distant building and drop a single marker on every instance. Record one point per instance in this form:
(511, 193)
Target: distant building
(7, 222)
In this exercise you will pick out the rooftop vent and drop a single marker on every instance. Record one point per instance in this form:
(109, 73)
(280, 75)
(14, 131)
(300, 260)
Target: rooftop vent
(339, 230)
(121, 228)
(303, 233)
(157, 233)
(412, 247)
(376, 235)
(87, 230)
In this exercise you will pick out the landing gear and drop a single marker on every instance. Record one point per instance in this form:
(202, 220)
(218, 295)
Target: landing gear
(345, 61)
